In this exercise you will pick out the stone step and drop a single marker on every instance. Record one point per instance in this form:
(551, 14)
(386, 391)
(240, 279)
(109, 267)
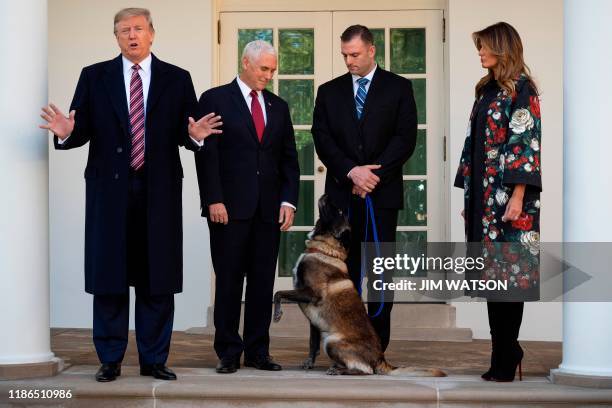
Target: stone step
(202, 387)
(422, 322)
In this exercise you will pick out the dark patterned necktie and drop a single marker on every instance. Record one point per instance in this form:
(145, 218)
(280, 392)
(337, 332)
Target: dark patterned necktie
(137, 120)
(258, 117)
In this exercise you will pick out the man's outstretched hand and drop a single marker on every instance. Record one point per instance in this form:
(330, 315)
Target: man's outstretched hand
(57, 122)
(205, 127)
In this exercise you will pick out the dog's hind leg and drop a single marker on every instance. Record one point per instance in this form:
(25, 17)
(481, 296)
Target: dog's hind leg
(300, 296)
(347, 362)
(315, 344)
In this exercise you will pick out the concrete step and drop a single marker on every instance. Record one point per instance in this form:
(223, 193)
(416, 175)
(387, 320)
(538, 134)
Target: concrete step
(202, 387)
(421, 322)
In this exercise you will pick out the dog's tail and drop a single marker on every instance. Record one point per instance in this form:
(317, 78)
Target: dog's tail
(384, 368)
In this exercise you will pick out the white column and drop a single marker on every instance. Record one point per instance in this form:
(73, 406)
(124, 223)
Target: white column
(24, 232)
(587, 327)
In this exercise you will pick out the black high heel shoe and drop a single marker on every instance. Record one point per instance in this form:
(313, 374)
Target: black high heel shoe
(512, 361)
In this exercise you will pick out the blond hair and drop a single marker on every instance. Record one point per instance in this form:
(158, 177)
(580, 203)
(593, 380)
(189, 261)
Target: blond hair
(505, 43)
(132, 12)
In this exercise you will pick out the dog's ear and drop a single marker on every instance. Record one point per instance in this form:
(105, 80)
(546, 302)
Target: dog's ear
(324, 207)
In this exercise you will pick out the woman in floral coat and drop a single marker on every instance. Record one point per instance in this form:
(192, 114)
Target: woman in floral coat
(500, 174)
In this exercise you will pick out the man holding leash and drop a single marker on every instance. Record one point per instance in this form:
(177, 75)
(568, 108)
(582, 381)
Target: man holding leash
(364, 129)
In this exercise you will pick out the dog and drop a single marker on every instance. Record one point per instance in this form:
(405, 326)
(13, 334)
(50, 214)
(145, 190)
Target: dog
(327, 297)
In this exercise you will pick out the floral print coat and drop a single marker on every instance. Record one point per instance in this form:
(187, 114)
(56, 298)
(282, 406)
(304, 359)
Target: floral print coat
(512, 156)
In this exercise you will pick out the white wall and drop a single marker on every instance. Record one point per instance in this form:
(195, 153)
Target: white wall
(80, 34)
(540, 24)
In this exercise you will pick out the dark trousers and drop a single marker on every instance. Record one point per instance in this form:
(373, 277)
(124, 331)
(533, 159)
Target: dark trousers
(154, 314)
(243, 248)
(505, 322)
(386, 224)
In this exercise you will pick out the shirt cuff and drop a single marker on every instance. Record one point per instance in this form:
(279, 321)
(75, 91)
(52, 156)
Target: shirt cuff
(199, 143)
(348, 175)
(288, 204)
(61, 141)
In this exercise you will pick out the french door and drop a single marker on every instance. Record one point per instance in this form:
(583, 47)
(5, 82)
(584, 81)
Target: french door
(408, 43)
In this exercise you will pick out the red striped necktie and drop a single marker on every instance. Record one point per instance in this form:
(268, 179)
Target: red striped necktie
(257, 113)
(137, 120)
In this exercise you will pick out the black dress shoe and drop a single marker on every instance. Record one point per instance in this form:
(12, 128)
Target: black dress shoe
(108, 372)
(159, 371)
(262, 363)
(228, 365)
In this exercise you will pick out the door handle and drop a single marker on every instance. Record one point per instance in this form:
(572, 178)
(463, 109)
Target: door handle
(321, 169)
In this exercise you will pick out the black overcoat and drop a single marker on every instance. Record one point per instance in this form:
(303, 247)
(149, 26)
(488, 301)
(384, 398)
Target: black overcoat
(102, 120)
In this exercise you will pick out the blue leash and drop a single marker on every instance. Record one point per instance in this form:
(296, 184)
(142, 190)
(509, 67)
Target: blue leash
(370, 214)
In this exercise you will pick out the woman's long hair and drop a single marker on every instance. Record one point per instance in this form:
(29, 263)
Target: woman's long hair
(505, 43)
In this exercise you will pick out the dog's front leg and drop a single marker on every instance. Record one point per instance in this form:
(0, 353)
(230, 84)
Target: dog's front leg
(278, 312)
(315, 345)
(299, 296)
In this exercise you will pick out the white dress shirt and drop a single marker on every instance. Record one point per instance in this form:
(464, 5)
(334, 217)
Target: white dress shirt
(246, 94)
(367, 86)
(145, 76)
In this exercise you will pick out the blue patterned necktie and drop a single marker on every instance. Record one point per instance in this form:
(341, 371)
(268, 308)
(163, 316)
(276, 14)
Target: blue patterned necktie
(360, 97)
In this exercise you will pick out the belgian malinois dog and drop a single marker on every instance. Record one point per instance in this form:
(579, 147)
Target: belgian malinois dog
(329, 300)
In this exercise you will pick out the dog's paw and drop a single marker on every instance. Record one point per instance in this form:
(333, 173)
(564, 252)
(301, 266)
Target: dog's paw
(333, 371)
(308, 364)
(277, 315)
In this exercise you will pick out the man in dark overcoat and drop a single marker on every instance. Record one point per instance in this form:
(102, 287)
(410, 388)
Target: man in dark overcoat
(135, 111)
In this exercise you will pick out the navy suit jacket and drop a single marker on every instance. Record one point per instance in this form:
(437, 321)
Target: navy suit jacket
(102, 120)
(235, 169)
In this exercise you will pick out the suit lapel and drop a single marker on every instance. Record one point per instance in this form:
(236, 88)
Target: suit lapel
(270, 116)
(348, 101)
(115, 85)
(349, 95)
(158, 82)
(243, 109)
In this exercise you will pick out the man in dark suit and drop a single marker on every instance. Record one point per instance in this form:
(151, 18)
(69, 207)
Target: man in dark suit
(364, 129)
(135, 112)
(249, 181)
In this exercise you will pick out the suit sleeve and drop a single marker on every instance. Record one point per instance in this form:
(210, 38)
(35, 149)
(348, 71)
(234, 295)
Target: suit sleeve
(327, 149)
(290, 168)
(82, 117)
(207, 161)
(190, 108)
(402, 143)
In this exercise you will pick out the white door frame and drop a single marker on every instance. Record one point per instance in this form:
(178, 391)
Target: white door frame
(437, 199)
